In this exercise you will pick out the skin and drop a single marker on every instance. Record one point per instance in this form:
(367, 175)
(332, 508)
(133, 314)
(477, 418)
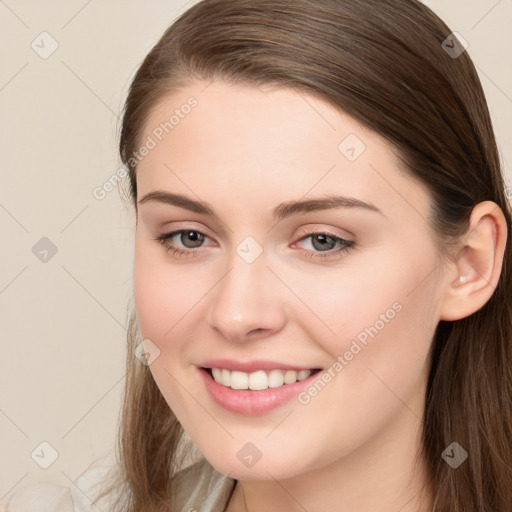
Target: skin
(244, 150)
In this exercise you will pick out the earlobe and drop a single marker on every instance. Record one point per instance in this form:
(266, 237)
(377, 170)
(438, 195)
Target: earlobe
(478, 264)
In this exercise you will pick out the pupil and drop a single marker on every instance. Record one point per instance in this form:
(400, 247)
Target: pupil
(323, 241)
(193, 236)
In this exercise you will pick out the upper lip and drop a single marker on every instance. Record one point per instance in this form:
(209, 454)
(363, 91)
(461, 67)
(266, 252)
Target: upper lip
(252, 366)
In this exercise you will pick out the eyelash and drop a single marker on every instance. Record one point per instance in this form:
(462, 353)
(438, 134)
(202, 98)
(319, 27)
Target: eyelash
(345, 246)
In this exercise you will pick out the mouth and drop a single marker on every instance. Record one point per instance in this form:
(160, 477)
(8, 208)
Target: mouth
(258, 380)
(256, 393)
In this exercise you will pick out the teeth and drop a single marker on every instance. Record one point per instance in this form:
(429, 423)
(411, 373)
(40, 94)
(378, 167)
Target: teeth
(258, 380)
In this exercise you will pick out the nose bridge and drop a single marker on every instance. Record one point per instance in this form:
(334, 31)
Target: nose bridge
(246, 299)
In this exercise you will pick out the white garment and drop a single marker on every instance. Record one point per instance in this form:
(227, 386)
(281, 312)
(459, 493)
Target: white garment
(198, 488)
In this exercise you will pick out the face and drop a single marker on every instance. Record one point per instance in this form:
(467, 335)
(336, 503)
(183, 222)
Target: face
(348, 288)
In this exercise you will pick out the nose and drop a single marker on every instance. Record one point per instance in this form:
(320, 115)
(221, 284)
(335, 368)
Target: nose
(246, 304)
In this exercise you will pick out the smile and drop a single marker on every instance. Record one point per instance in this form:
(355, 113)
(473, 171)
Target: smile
(259, 380)
(257, 392)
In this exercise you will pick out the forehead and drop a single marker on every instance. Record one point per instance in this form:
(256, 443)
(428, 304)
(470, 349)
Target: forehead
(222, 140)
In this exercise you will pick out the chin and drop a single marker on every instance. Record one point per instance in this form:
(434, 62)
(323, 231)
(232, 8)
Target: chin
(262, 469)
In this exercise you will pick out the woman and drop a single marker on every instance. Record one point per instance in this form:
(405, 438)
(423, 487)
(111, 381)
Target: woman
(322, 266)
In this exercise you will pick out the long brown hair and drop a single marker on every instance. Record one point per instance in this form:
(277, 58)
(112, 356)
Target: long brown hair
(384, 63)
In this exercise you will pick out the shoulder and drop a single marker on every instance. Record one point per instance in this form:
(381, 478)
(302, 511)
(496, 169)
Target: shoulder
(197, 487)
(44, 497)
(201, 487)
(51, 497)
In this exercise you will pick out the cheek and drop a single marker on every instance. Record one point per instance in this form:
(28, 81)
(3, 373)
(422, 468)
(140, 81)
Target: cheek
(166, 302)
(161, 298)
(170, 301)
(339, 302)
(384, 322)
(378, 314)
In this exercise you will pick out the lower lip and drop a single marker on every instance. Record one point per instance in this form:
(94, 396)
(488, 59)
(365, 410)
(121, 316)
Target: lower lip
(250, 402)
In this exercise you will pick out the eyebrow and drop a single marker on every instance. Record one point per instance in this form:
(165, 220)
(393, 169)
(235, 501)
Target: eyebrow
(280, 212)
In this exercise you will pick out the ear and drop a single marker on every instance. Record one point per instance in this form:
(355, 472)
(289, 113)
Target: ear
(478, 262)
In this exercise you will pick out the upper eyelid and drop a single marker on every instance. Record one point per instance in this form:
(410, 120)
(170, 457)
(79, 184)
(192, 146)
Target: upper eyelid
(306, 232)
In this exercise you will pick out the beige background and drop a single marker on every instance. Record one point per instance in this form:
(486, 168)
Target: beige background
(63, 321)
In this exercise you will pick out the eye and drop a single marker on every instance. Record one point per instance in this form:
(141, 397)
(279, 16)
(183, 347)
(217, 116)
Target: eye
(326, 245)
(191, 239)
